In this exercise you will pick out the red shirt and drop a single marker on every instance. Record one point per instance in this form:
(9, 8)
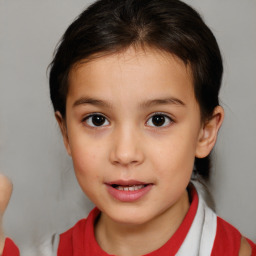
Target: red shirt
(10, 249)
(80, 239)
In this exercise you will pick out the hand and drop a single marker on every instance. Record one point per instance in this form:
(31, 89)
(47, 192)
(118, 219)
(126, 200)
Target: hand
(5, 195)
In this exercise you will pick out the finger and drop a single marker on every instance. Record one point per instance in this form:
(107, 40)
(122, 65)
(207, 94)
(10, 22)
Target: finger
(5, 193)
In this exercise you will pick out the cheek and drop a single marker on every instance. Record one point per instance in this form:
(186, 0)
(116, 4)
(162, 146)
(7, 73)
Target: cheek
(87, 167)
(86, 159)
(175, 156)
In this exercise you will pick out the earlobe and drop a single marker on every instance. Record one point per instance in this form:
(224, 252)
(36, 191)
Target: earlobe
(63, 128)
(209, 132)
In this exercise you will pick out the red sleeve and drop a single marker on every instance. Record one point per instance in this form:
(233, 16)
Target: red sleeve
(227, 240)
(72, 241)
(65, 244)
(10, 249)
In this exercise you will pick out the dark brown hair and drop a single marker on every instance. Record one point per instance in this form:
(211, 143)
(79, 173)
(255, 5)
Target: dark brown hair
(110, 26)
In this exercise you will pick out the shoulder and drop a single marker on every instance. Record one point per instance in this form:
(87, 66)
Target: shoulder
(77, 228)
(226, 232)
(69, 237)
(245, 248)
(229, 241)
(61, 244)
(72, 242)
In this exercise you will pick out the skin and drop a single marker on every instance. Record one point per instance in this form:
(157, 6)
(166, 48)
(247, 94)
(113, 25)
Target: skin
(245, 248)
(5, 194)
(129, 88)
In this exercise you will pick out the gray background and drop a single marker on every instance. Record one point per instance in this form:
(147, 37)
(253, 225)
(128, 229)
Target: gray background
(46, 197)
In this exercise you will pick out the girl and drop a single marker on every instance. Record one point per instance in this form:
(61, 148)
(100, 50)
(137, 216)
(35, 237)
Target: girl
(134, 86)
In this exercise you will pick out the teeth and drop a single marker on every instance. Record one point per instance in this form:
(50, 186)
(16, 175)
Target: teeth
(130, 188)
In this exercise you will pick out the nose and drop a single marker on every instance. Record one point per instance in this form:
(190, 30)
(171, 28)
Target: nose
(127, 148)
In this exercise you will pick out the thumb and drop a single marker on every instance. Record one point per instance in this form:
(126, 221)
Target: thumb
(5, 193)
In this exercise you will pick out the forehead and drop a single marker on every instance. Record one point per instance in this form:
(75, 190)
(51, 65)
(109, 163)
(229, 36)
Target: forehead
(140, 70)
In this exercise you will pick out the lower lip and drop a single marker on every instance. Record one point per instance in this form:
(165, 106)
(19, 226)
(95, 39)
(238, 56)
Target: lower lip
(128, 196)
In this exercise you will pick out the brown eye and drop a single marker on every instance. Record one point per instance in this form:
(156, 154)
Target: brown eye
(96, 120)
(159, 120)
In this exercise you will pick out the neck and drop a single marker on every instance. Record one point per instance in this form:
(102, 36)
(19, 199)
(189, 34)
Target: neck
(132, 240)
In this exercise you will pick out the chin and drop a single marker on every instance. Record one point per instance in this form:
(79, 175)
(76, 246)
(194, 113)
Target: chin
(131, 221)
(131, 218)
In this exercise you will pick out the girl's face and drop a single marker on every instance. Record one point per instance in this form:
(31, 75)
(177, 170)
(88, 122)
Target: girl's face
(133, 130)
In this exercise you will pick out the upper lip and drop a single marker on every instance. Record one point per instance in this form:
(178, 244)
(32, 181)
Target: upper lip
(126, 182)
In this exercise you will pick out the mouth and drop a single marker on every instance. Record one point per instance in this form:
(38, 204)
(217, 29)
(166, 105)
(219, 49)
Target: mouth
(128, 191)
(129, 187)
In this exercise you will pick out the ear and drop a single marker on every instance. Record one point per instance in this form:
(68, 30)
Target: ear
(63, 128)
(209, 132)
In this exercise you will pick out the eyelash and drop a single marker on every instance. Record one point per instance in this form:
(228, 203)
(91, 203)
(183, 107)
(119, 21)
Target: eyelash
(160, 114)
(88, 120)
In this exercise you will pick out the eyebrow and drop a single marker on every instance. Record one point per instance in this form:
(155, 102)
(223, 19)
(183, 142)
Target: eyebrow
(164, 101)
(92, 101)
(146, 104)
